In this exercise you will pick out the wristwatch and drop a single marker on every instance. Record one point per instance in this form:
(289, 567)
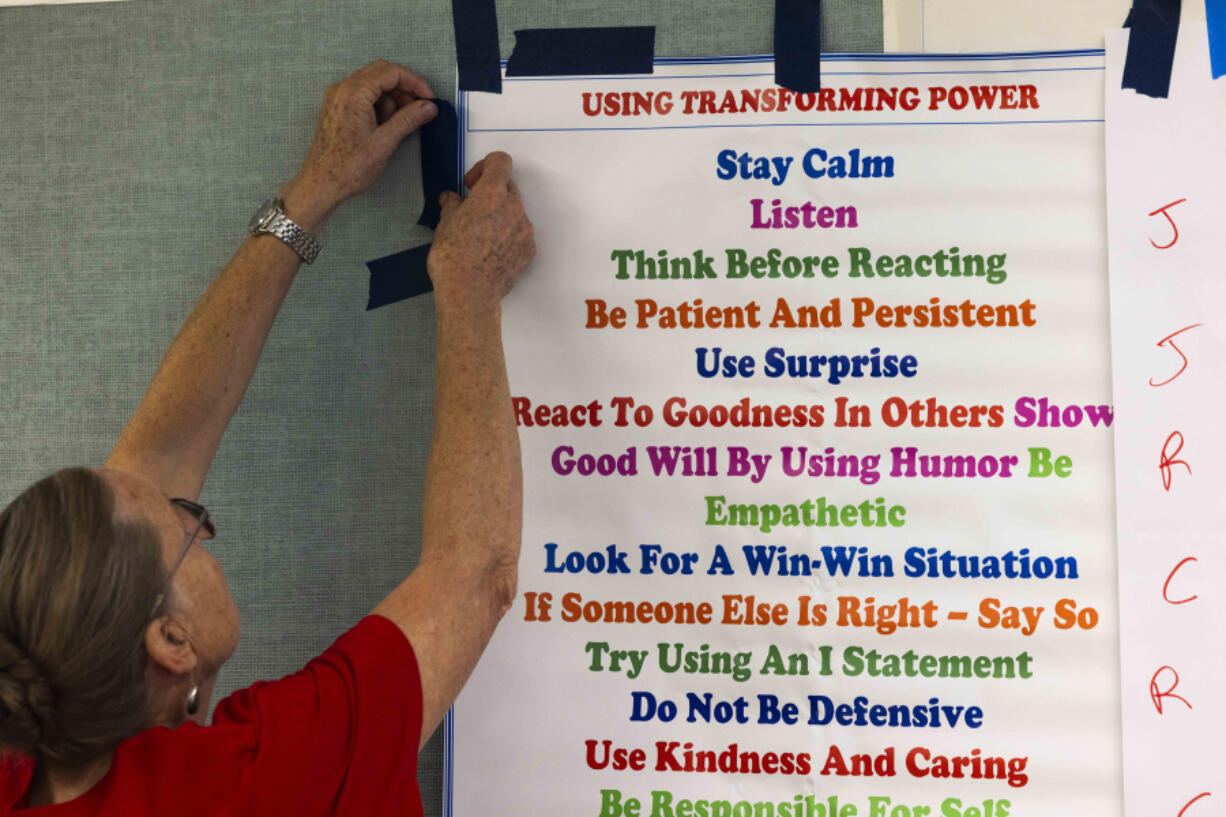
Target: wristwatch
(271, 219)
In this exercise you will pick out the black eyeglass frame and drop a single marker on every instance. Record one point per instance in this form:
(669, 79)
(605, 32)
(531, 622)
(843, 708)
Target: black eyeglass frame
(204, 530)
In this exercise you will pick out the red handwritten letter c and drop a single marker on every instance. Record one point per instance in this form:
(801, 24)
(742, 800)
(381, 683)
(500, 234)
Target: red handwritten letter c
(1193, 800)
(1167, 584)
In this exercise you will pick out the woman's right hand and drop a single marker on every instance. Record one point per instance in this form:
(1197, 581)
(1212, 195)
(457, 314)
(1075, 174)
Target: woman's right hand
(483, 242)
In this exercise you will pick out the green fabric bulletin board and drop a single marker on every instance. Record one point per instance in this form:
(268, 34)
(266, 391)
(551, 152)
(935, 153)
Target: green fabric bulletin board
(136, 138)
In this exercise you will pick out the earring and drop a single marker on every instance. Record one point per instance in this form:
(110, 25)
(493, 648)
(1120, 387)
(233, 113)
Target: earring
(193, 699)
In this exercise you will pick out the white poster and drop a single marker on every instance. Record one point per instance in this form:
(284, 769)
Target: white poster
(815, 404)
(1165, 161)
(937, 26)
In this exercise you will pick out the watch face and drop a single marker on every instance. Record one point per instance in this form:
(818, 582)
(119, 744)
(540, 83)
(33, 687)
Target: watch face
(262, 216)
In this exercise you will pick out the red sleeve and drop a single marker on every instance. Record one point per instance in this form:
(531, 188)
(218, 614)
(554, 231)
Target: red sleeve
(15, 773)
(340, 737)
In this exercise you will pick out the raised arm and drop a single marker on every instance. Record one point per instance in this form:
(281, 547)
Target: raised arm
(466, 578)
(178, 425)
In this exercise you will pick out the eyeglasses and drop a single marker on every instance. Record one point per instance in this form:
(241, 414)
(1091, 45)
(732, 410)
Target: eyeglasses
(198, 528)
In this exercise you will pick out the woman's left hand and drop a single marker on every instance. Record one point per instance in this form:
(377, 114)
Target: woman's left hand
(361, 122)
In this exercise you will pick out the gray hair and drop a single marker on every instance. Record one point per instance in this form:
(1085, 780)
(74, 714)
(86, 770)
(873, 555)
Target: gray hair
(76, 590)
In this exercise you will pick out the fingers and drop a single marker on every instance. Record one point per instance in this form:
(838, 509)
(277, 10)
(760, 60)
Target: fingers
(448, 202)
(382, 77)
(414, 115)
(474, 173)
(401, 123)
(384, 108)
(495, 171)
(492, 173)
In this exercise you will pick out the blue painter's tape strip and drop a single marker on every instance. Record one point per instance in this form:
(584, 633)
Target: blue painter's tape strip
(1215, 16)
(403, 275)
(396, 277)
(575, 51)
(1154, 28)
(476, 45)
(439, 168)
(798, 45)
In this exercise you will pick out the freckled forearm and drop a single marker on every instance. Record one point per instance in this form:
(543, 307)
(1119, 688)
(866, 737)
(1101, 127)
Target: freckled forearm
(176, 429)
(474, 482)
(472, 512)
(172, 437)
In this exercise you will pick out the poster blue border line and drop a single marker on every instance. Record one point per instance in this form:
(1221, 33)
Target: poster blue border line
(466, 127)
(449, 718)
(622, 77)
(461, 98)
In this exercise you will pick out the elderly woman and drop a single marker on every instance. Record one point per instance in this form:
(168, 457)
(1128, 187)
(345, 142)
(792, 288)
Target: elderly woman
(114, 618)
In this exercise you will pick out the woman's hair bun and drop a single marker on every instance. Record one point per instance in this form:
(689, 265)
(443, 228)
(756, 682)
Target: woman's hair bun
(26, 702)
(73, 681)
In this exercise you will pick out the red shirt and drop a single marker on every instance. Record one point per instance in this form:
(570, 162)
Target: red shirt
(338, 738)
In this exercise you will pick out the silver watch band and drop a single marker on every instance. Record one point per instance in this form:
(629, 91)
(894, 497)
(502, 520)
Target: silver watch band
(299, 240)
(271, 219)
